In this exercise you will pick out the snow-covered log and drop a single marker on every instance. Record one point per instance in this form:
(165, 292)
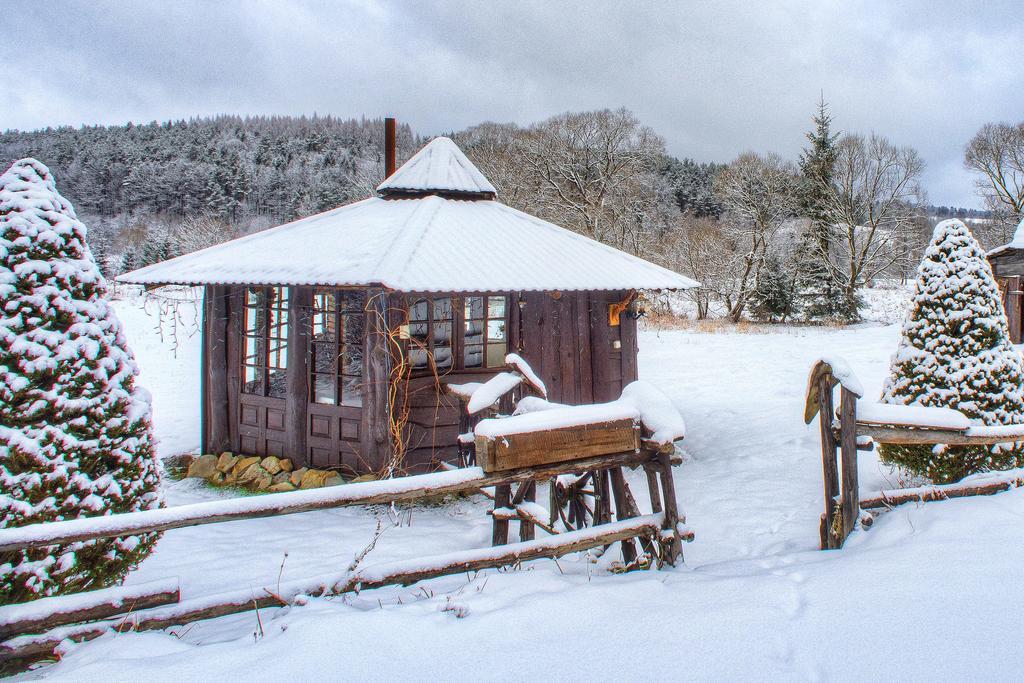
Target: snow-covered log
(977, 485)
(47, 613)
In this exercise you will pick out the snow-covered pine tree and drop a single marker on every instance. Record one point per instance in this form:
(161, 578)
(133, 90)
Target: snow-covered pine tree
(955, 352)
(74, 429)
(819, 296)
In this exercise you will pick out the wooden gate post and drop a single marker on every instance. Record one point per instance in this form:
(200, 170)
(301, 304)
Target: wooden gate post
(828, 461)
(848, 448)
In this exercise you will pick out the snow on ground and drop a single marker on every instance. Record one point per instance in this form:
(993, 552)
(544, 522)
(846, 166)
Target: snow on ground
(929, 591)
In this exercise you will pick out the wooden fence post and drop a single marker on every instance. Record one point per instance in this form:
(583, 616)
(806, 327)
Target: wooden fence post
(828, 460)
(848, 448)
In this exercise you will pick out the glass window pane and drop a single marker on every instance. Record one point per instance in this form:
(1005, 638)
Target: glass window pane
(323, 389)
(418, 332)
(442, 334)
(474, 333)
(443, 308)
(278, 384)
(443, 357)
(495, 330)
(473, 356)
(495, 307)
(495, 354)
(353, 302)
(323, 358)
(352, 329)
(418, 311)
(352, 361)
(351, 391)
(474, 308)
(419, 358)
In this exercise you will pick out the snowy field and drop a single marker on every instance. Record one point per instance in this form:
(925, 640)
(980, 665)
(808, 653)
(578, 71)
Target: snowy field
(927, 592)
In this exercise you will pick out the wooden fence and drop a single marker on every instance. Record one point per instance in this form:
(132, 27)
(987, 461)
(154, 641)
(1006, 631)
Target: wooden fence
(843, 434)
(33, 630)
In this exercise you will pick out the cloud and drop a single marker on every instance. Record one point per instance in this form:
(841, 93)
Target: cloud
(714, 78)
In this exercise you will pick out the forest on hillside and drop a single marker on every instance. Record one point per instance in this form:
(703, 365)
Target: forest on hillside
(769, 237)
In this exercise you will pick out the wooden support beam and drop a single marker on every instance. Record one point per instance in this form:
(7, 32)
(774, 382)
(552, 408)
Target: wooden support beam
(404, 573)
(48, 613)
(674, 551)
(404, 489)
(502, 499)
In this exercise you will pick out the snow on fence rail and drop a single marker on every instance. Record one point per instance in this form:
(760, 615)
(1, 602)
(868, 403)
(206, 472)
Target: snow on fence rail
(403, 489)
(46, 613)
(862, 423)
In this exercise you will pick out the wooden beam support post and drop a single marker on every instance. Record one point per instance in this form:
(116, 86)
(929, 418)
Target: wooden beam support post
(674, 547)
(527, 493)
(502, 499)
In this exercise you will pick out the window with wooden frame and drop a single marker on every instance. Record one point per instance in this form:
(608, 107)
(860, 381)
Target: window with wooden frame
(265, 355)
(336, 347)
(458, 333)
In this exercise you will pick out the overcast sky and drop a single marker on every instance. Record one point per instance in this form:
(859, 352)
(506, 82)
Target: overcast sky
(713, 78)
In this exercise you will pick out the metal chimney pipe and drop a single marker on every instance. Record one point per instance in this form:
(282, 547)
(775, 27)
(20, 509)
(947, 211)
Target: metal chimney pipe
(390, 146)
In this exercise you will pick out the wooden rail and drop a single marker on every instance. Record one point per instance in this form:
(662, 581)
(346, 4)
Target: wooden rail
(398, 490)
(148, 607)
(47, 613)
(402, 572)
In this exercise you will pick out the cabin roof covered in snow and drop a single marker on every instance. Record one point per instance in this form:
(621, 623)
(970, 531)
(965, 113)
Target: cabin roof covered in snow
(1016, 243)
(420, 243)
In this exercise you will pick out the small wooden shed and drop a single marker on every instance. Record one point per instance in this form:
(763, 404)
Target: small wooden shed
(1008, 267)
(330, 340)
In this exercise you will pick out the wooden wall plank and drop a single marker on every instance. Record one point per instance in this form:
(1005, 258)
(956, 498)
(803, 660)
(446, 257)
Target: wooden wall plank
(566, 344)
(601, 348)
(218, 415)
(234, 298)
(585, 371)
(628, 339)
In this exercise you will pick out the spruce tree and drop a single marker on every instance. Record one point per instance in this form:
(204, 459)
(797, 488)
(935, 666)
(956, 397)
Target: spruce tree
(773, 298)
(956, 353)
(819, 295)
(74, 429)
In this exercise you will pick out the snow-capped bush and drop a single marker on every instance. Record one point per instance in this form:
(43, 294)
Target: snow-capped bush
(956, 353)
(74, 430)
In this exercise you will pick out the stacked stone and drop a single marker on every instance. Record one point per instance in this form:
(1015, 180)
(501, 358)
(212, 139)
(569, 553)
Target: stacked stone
(271, 474)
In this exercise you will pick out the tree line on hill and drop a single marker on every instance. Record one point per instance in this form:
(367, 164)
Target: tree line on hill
(770, 238)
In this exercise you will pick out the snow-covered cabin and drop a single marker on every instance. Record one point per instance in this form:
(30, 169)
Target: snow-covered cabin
(1008, 267)
(323, 336)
